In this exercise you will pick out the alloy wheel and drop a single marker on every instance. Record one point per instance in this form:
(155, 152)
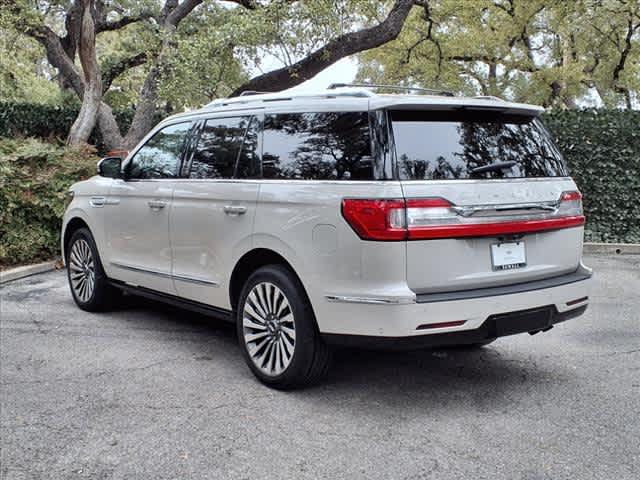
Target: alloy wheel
(82, 270)
(268, 328)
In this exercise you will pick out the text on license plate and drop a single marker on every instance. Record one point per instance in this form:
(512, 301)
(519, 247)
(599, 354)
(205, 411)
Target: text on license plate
(507, 256)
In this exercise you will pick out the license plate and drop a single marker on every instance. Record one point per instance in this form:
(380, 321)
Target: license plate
(507, 256)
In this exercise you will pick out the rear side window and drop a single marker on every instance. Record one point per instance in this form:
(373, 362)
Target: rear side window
(223, 145)
(439, 145)
(317, 146)
(160, 156)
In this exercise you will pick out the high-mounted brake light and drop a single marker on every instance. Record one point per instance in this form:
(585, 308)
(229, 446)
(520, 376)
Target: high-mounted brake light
(432, 218)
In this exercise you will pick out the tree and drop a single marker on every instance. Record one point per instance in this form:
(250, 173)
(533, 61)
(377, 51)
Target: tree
(551, 52)
(83, 22)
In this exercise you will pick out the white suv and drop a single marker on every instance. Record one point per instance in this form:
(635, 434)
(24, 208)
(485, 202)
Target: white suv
(343, 217)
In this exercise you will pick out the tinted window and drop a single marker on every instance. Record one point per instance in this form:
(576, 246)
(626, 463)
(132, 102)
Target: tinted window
(317, 146)
(160, 156)
(249, 158)
(218, 147)
(448, 146)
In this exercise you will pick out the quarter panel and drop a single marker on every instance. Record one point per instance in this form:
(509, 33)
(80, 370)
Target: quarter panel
(288, 214)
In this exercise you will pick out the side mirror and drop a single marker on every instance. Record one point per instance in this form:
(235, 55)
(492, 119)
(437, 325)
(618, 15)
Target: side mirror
(110, 167)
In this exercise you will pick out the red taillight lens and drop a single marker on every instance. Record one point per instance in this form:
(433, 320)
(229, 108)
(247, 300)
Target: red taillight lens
(376, 219)
(570, 196)
(432, 218)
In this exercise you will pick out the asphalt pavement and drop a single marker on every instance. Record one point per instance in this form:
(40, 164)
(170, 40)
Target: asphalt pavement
(148, 391)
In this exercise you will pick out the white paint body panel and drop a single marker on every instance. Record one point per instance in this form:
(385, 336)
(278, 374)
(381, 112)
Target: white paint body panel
(193, 238)
(207, 242)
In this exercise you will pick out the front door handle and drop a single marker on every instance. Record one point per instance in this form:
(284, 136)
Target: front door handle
(156, 204)
(235, 209)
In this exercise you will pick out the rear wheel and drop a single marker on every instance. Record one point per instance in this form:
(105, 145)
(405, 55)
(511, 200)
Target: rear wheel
(89, 285)
(277, 330)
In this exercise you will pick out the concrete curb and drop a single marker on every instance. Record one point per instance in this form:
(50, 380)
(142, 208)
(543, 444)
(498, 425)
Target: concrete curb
(613, 248)
(26, 271)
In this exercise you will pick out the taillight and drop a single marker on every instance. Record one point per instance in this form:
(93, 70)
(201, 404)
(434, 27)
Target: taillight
(431, 218)
(376, 219)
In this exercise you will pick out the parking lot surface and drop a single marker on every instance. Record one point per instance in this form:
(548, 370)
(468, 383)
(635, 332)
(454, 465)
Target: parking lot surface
(148, 391)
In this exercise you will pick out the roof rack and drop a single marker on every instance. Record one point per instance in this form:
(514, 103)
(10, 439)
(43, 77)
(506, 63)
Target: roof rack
(489, 97)
(252, 92)
(430, 91)
(261, 97)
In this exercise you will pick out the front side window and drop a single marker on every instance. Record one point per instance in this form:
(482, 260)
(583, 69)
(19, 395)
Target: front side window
(160, 156)
(317, 146)
(440, 145)
(219, 145)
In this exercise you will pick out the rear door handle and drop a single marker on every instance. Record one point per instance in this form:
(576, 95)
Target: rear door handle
(156, 204)
(234, 209)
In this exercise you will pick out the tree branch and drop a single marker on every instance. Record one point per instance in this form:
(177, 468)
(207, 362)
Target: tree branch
(248, 4)
(106, 26)
(117, 69)
(56, 55)
(180, 11)
(340, 47)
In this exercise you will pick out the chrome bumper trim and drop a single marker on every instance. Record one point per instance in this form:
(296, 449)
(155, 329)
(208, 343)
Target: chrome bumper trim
(370, 300)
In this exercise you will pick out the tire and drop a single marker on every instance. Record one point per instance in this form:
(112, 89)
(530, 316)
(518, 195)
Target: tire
(89, 285)
(277, 330)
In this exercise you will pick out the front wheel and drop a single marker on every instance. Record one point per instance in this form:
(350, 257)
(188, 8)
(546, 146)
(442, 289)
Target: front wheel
(88, 282)
(277, 330)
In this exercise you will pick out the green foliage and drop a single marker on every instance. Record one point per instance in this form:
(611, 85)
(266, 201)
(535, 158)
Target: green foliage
(19, 119)
(550, 52)
(602, 148)
(34, 179)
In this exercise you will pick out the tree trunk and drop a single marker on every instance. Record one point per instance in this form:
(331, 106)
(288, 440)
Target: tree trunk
(111, 136)
(143, 120)
(92, 96)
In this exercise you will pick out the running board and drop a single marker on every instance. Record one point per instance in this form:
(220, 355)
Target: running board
(202, 308)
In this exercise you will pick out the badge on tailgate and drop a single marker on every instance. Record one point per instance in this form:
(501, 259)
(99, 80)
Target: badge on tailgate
(507, 256)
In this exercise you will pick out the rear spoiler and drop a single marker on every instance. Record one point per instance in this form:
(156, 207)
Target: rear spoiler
(455, 105)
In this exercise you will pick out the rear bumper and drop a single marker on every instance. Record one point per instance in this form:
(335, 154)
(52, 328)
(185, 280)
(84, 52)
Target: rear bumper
(445, 319)
(532, 320)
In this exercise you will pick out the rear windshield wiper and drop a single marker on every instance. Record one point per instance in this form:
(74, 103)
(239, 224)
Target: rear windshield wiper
(493, 167)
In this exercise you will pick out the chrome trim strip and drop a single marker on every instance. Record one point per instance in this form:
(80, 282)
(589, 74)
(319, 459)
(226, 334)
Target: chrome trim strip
(468, 211)
(183, 278)
(389, 181)
(141, 270)
(370, 300)
(200, 281)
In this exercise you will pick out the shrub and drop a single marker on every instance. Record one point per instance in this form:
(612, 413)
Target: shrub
(34, 179)
(602, 148)
(49, 122)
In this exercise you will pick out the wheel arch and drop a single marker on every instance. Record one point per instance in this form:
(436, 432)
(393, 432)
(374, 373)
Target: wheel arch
(249, 263)
(71, 227)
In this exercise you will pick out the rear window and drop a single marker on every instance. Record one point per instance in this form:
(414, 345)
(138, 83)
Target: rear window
(317, 146)
(442, 145)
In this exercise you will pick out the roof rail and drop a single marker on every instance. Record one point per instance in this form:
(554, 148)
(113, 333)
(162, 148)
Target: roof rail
(251, 92)
(489, 97)
(259, 97)
(431, 91)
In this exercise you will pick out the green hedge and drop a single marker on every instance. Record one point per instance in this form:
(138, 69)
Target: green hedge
(49, 121)
(34, 179)
(602, 148)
